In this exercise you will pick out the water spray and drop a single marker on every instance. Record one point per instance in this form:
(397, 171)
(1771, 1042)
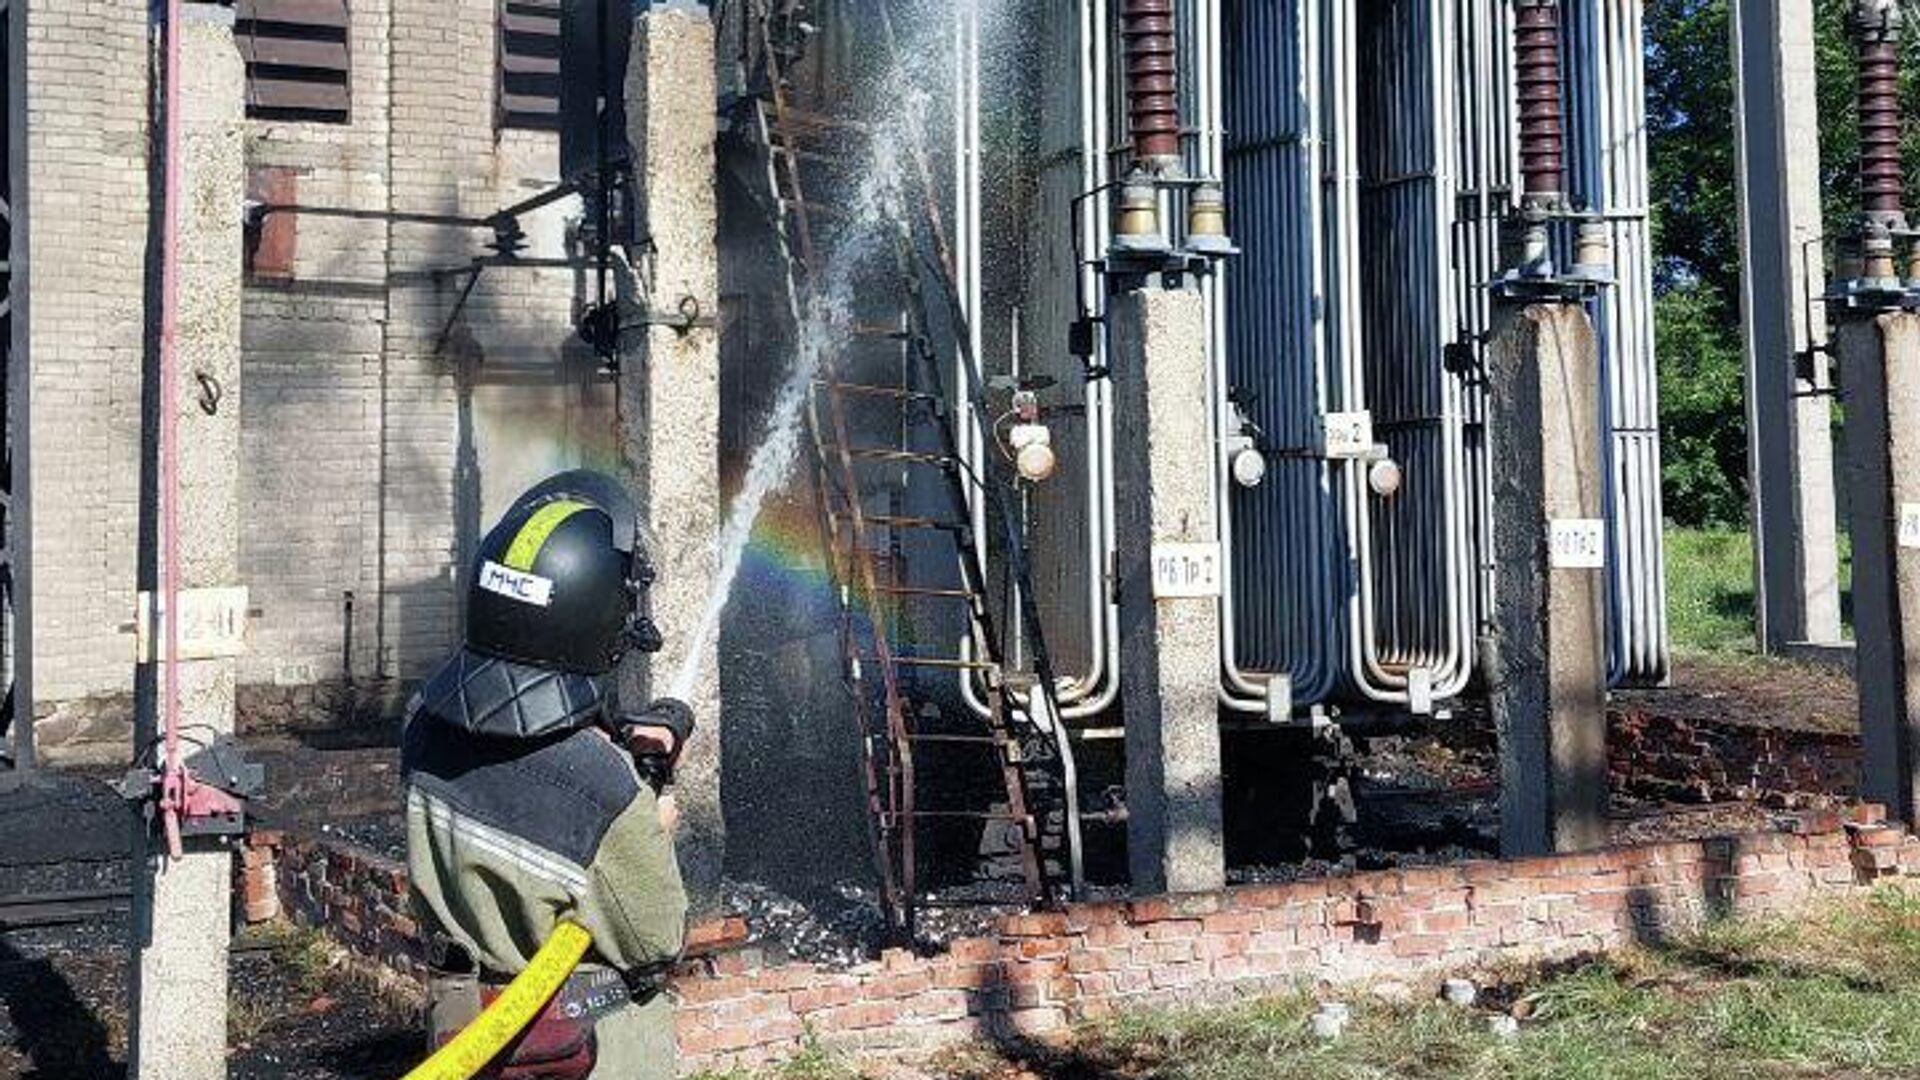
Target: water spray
(826, 328)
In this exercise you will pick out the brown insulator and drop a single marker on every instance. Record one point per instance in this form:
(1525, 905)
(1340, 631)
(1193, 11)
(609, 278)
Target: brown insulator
(1878, 35)
(1153, 81)
(1542, 102)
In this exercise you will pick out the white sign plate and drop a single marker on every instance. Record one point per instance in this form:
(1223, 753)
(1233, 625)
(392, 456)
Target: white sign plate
(1577, 544)
(1909, 525)
(1347, 435)
(213, 624)
(1186, 570)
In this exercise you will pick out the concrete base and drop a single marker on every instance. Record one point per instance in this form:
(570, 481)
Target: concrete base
(182, 907)
(1837, 655)
(670, 395)
(1170, 644)
(1549, 673)
(1880, 373)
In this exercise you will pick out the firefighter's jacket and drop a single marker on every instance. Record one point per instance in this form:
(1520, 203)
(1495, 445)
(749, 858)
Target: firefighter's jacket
(521, 813)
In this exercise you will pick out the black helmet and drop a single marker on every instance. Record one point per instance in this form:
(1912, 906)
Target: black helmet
(562, 582)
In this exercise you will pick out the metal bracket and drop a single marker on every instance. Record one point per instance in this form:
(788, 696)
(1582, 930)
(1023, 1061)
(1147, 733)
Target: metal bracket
(686, 318)
(211, 790)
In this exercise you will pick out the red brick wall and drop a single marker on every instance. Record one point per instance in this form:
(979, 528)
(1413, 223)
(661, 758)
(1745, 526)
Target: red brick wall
(1681, 760)
(1044, 971)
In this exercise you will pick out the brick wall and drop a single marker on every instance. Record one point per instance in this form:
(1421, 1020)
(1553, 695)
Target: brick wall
(87, 209)
(370, 458)
(1681, 760)
(1043, 971)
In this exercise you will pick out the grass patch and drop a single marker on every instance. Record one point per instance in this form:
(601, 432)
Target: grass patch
(1710, 597)
(1710, 590)
(1830, 993)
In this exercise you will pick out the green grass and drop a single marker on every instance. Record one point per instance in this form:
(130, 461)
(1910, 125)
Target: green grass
(1710, 590)
(1835, 993)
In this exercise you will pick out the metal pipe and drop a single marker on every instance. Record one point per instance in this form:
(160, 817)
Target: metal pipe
(1106, 677)
(172, 787)
(1093, 695)
(1276, 116)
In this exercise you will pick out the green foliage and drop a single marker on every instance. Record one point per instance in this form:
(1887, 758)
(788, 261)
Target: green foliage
(1695, 224)
(1695, 219)
(1690, 168)
(1703, 407)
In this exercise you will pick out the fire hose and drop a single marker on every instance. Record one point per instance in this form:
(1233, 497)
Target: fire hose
(480, 1042)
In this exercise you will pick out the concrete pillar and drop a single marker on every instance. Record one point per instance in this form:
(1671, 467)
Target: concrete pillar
(1880, 373)
(1790, 438)
(1169, 556)
(181, 907)
(1549, 675)
(670, 387)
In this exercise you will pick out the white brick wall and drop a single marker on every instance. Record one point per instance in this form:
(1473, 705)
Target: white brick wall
(361, 471)
(87, 136)
(313, 360)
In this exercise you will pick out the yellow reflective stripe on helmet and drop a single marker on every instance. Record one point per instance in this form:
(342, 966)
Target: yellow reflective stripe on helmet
(533, 535)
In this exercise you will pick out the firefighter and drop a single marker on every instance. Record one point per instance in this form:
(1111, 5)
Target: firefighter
(532, 800)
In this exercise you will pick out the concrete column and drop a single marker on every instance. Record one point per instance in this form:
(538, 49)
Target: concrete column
(670, 387)
(1550, 660)
(1170, 613)
(1790, 438)
(1880, 373)
(180, 978)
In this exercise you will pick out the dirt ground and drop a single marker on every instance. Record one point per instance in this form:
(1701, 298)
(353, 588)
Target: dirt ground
(302, 1013)
(1767, 693)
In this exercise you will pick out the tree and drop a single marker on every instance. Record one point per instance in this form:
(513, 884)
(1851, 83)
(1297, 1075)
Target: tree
(1696, 232)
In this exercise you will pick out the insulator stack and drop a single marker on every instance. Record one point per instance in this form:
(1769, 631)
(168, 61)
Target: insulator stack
(1542, 102)
(1153, 82)
(1877, 26)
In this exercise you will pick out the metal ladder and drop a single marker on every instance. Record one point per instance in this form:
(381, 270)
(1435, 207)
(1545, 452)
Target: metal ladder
(889, 378)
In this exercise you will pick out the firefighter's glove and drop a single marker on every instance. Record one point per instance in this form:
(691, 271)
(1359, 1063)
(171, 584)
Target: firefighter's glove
(668, 717)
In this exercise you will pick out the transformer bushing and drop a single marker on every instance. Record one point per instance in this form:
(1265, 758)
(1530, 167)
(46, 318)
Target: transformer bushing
(1153, 84)
(1543, 163)
(1538, 72)
(1142, 240)
(1876, 25)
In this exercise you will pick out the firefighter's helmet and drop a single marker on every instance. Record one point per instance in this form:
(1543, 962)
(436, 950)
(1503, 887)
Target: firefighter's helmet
(562, 581)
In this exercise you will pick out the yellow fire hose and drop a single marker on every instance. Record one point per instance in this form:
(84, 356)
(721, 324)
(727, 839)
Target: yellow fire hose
(481, 1041)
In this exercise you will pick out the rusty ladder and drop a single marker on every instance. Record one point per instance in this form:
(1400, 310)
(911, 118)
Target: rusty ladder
(865, 543)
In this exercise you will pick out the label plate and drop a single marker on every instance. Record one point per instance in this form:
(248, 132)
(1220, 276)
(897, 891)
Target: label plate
(1577, 544)
(213, 624)
(1347, 435)
(516, 584)
(1909, 535)
(1186, 570)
